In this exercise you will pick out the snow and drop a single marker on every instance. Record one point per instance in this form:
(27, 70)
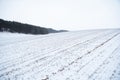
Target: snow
(77, 55)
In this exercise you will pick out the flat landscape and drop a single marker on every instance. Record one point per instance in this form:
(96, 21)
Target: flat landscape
(75, 55)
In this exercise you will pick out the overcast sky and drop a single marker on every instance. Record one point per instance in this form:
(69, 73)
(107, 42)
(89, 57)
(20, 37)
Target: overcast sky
(63, 14)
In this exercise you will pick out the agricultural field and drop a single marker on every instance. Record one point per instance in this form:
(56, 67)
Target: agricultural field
(75, 55)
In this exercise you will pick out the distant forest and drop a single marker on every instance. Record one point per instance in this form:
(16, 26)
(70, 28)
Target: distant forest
(12, 26)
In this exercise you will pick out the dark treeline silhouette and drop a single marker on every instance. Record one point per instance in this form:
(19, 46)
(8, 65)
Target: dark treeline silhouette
(12, 26)
(55, 31)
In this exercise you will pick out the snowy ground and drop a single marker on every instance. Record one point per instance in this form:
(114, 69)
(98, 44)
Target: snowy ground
(80, 55)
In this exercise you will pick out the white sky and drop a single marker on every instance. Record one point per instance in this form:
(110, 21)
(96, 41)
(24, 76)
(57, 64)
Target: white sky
(63, 14)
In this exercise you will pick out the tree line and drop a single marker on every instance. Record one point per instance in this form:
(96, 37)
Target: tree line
(12, 26)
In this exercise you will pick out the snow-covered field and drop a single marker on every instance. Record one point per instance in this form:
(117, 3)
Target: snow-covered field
(78, 55)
